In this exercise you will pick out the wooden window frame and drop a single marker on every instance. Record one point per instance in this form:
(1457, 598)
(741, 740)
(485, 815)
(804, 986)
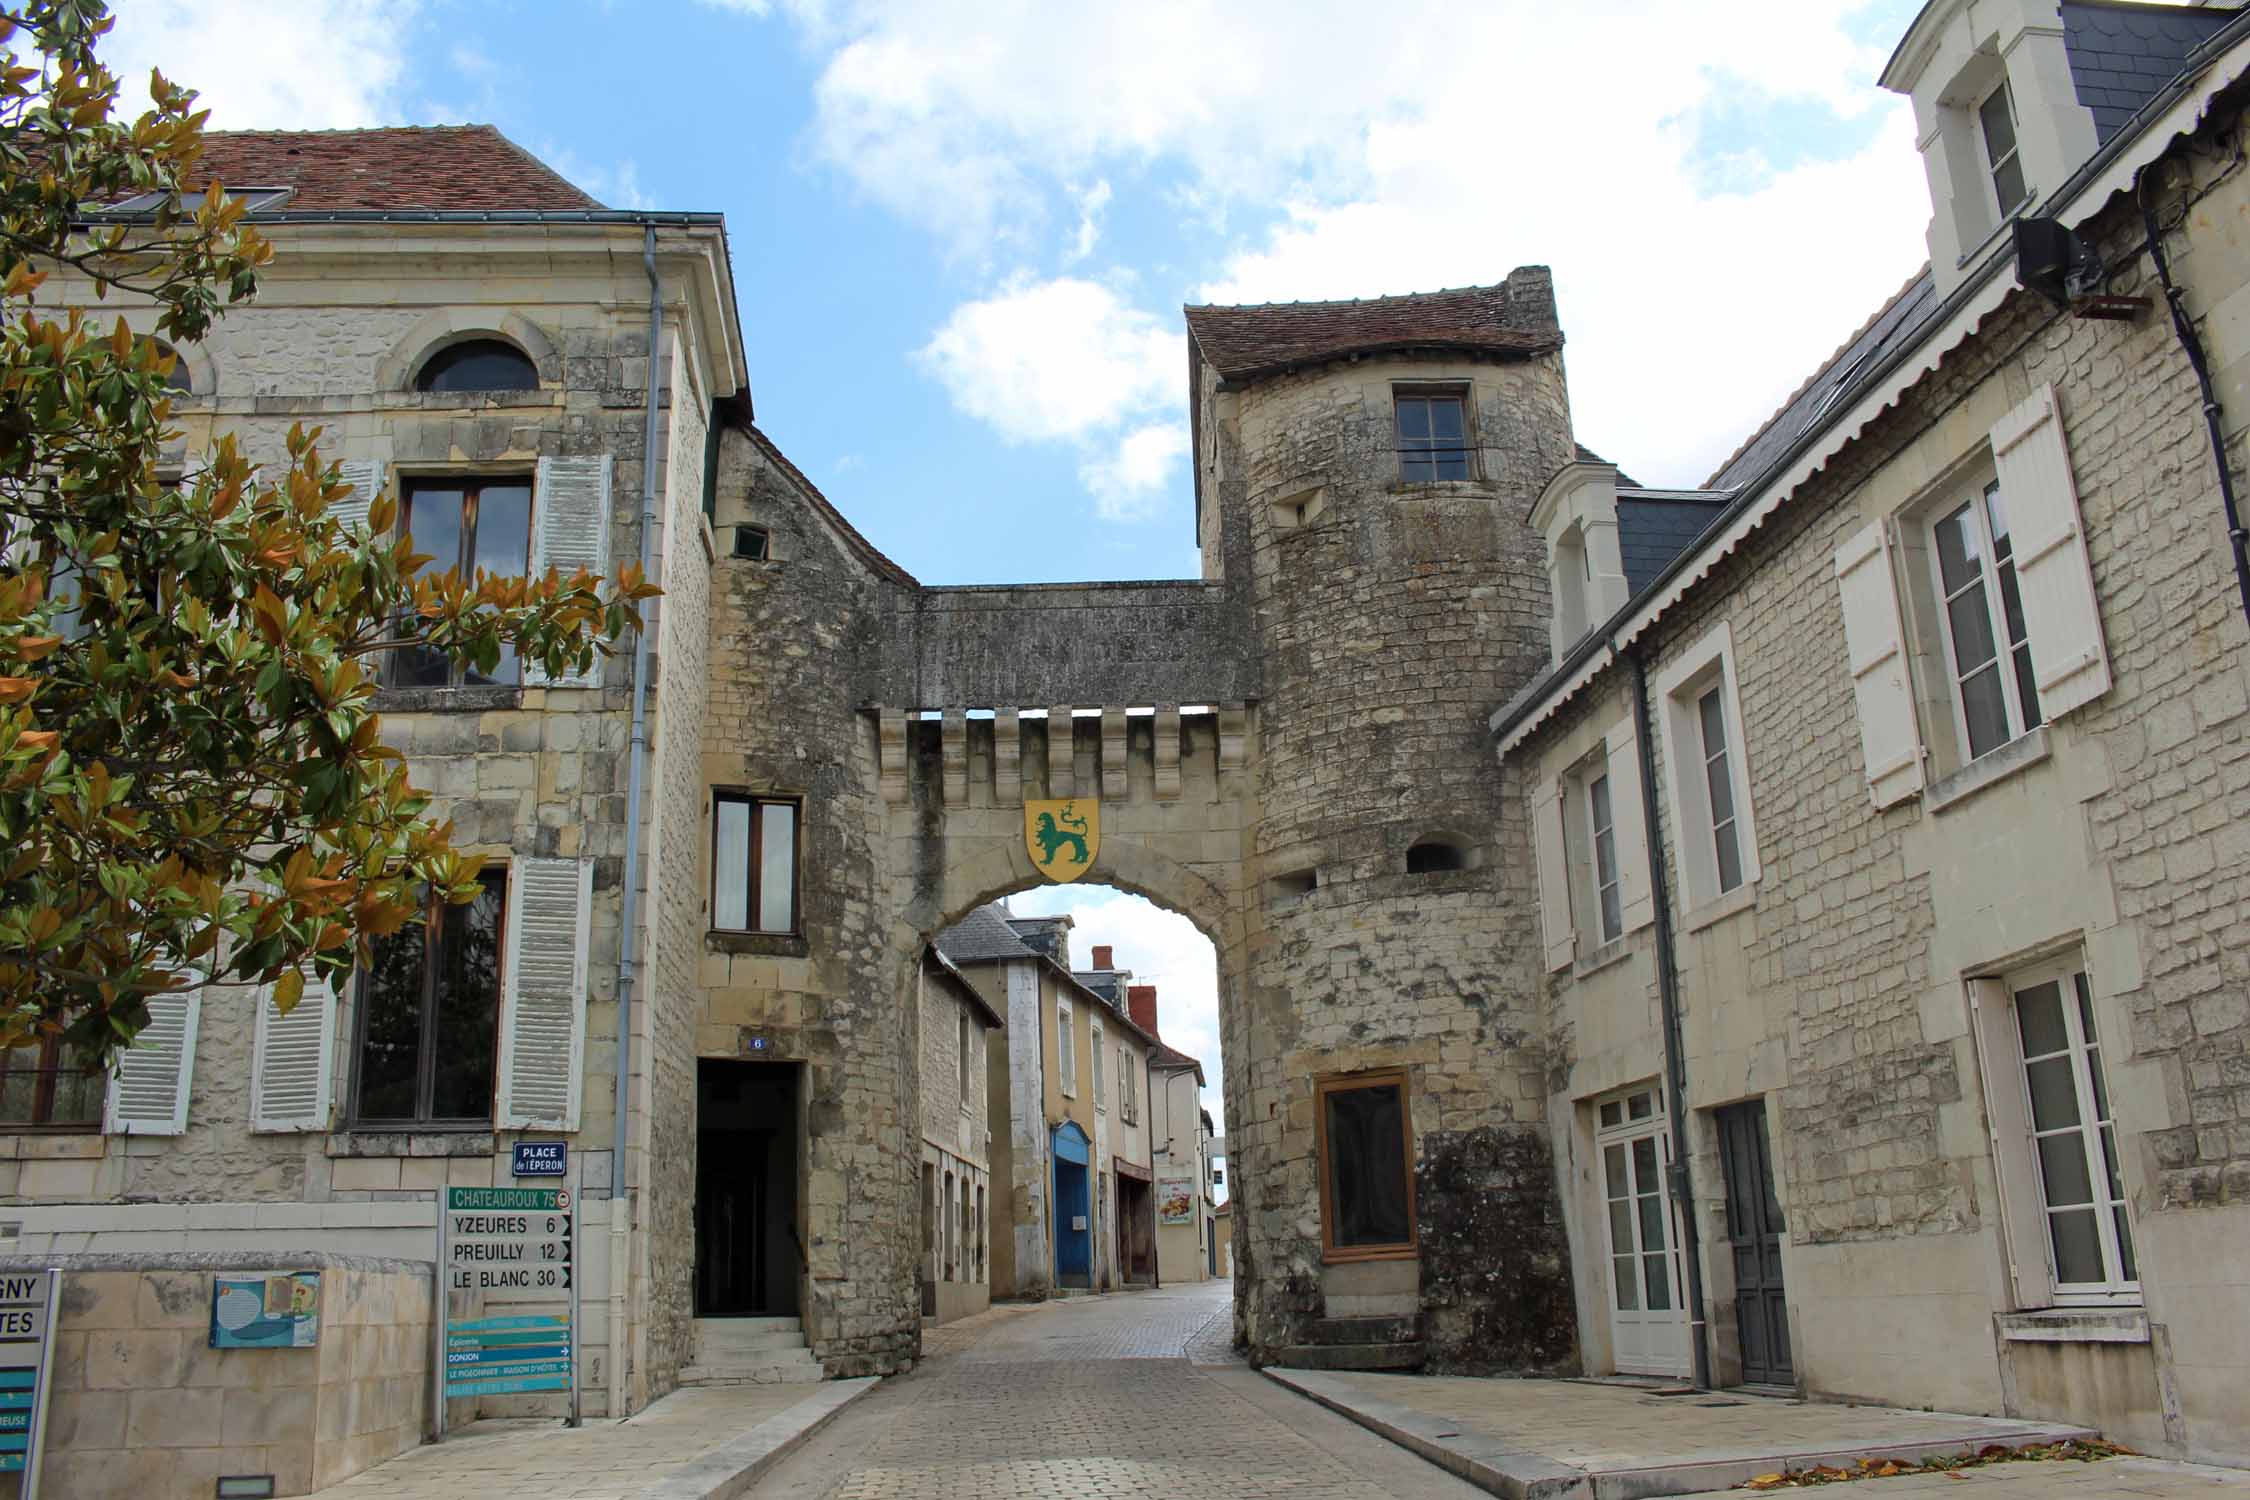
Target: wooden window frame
(426, 1050)
(472, 487)
(1335, 1083)
(756, 864)
(2021, 717)
(49, 1068)
(1435, 391)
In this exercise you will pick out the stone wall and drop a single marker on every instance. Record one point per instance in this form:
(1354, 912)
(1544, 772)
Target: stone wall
(142, 1405)
(789, 639)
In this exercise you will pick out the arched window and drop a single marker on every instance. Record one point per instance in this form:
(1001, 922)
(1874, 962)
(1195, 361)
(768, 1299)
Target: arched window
(179, 380)
(1433, 855)
(479, 365)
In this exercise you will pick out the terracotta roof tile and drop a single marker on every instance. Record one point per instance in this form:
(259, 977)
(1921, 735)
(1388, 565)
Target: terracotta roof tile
(1516, 317)
(471, 167)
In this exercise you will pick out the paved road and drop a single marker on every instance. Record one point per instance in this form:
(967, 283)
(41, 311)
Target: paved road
(1127, 1395)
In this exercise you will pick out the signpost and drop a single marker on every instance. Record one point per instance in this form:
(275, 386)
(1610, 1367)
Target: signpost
(511, 1244)
(27, 1319)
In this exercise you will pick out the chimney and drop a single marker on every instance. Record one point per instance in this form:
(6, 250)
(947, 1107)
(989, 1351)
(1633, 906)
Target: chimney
(1140, 1004)
(1102, 954)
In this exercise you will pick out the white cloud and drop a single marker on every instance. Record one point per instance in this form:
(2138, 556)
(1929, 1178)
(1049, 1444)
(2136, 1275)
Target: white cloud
(1091, 202)
(1129, 485)
(1443, 148)
(1069, 361)
(308, 65)
(1161, 948)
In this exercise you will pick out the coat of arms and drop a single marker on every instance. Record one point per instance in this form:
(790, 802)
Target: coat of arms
(1063, 834)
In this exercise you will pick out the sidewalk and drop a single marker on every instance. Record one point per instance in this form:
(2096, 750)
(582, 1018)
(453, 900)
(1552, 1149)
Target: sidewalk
(1536, 1439)
(703, 1444)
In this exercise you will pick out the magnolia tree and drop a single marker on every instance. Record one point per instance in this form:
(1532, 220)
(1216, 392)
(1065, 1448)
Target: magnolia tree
(192, 781)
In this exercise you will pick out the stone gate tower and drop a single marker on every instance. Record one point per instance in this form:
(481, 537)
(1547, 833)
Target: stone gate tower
(1365, 472)
(1290, 751)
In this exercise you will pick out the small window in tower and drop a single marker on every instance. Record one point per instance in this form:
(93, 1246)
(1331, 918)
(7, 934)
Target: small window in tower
(1293, 887)
(752, 542)
(1434, 855)
(1433, 436)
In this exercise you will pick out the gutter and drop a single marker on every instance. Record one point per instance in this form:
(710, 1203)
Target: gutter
(1675, 1047)
(1613, 634)
(620, 1216)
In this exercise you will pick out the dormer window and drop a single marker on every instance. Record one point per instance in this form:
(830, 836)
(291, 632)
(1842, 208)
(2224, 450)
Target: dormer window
(1996, 121)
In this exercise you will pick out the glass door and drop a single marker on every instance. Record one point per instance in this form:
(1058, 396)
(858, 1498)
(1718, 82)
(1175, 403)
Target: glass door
(1648, 1323)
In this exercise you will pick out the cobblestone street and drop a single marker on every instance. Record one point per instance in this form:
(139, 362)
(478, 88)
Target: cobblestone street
(1133, 1395)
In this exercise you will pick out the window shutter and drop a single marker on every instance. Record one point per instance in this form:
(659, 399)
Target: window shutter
(365, 476)
(293, 1060)
(1875, 644)
(543, 1007)
(2007, 1120)
(569, 531)
(1629, 828)
(2060, 611)
(1554, 877)
(148, 1088)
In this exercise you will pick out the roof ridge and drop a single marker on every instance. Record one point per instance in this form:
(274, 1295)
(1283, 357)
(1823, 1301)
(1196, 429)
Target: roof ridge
(1443, 291)
(357, 130)
(852, 535)
(1710, 481)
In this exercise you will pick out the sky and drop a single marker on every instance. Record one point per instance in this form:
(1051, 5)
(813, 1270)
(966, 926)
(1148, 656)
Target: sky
(963, 232)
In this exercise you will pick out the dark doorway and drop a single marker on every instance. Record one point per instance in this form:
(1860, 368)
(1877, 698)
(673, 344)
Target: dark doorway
(747, 1260)
(1136, 1226)
(1754, 1226)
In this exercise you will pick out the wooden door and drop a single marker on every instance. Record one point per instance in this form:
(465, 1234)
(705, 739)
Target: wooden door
(1754, 1227)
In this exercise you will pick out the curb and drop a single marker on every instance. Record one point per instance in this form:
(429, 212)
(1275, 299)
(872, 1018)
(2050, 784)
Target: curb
(1500, 1467)
(739, 1463)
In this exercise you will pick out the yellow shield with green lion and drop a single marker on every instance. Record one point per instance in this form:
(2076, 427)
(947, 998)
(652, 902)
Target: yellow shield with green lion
(1063, 835)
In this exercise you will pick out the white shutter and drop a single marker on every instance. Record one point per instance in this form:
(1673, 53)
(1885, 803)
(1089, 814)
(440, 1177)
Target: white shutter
(1554, 876)
(1628, 827)
(543, 1004)
(2060, 611)
(569, 531)
(2007, 1120)
(149, 1083)
(1875, 645)
(293, 1060)
(365, 476)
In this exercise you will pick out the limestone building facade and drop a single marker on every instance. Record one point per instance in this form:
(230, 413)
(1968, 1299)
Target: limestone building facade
(959, 1031)
(1889, 834)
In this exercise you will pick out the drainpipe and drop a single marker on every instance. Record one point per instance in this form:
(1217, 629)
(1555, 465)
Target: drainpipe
(620, 1214)
(2175, 297)
(1675, 1068)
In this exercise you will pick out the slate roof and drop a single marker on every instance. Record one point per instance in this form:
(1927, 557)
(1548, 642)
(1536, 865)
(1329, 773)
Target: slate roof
(2120, 55)
(983, 936)
(1655, 526)
(1894, 323)
(948, 971)
(1247, 342)
(1164, 1055)
(441, 167)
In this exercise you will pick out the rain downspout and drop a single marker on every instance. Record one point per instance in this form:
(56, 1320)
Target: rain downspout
(620, 1214)
(1675, 1067)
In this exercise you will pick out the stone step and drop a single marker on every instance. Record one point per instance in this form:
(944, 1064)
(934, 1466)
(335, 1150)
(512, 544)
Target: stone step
(801, 1369)
(1363, 1331)
(1350, 1357)
(712, 1343)
(759, 1325)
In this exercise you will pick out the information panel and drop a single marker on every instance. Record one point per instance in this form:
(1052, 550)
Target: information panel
(494, 1356)
(27, 1316)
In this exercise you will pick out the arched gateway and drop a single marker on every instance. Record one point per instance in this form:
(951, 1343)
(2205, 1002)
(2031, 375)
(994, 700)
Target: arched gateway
(1264, 746)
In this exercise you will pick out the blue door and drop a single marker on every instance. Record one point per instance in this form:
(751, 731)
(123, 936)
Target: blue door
(1074, 1238)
